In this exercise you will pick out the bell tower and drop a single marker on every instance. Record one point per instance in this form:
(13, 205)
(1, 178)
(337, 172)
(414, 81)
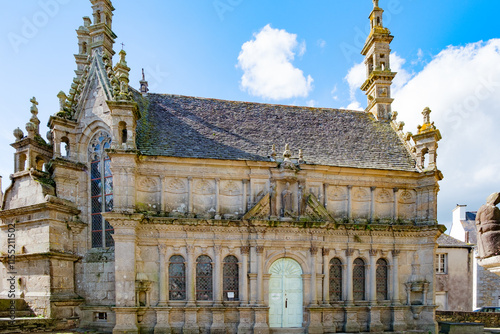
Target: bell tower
(101, 35)
(378, 70)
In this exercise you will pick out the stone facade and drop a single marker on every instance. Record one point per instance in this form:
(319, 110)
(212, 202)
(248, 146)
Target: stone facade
(454, 274)
(166, 214)
(485, 284)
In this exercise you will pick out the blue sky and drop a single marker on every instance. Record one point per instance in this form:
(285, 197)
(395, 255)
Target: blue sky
(446, 52)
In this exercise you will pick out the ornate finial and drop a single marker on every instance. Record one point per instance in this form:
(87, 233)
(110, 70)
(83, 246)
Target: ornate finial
(427, 117)
(287, 154)
(375, 3)
(143, 76)
(18, 133)
(301, 157)
(123, 54)
(49, 137)
(34, 119)
(62, 100)
(394, 116)
(273, 153)
(34, 109)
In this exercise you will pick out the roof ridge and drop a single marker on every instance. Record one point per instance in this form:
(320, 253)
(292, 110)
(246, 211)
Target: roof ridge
(260, 103)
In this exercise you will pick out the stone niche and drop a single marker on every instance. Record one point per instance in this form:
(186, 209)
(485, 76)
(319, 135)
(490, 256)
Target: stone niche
(337, 198)
(231, 198)
(361, 203)
(148, 194)
(176, 194)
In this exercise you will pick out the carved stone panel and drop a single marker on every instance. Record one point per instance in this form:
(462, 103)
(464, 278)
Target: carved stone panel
(361, 199)
(177, 195)
(337, 201)
(148, 193)
(384, 203)
(231, 197)
(204, 197)
(407, 202)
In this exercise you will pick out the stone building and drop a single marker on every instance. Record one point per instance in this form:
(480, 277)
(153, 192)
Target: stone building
(485, 284)
(454, 274)
(161, 213)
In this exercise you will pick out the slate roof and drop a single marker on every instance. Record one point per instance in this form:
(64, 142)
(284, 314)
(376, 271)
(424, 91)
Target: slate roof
(190, 127)
(445, 240)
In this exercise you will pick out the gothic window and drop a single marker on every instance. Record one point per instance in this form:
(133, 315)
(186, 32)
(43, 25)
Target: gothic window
(382, 280)
(177, 278)
(204, 286)
(101, 190)
(230, 278)
(335, 280)
(358, 279)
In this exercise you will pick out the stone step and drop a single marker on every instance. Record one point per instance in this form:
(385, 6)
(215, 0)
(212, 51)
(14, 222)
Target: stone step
(20, 304)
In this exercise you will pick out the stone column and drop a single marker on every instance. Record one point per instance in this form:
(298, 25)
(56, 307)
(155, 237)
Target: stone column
(190, 196)
(395, 278)
(348, 270)
(326, 277)
(190, 277)
(244, 275)
(162, 320)
(260, 277)
(163, 280)
(217, 199)
(395, 207)
(217, 282)
(314, 298)
(372, 202)
(349, 202)
(372, 278)
(125, 238)
(244, 205)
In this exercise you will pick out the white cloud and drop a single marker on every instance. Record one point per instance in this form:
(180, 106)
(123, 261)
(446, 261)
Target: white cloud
(267, 65)
(311, 103)
(462, 87)
(321, 43)
(334, 93)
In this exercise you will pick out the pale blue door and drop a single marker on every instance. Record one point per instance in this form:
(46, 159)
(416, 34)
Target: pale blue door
(285, 294)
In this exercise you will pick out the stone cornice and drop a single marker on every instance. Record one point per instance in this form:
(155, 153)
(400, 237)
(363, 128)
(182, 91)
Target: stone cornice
(51, 204)
(43, 256)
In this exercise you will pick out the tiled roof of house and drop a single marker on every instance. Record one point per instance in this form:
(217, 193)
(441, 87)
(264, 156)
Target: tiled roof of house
(181, 126)
(445, 240)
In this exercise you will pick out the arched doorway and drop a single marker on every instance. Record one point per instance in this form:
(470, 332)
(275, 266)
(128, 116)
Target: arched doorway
(285, 294)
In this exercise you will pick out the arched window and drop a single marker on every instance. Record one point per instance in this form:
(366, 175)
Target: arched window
(204, 286)
(382, 289)
(335, 280)
(177, 278)
(101, 190)
(230, 278)
(358, 280)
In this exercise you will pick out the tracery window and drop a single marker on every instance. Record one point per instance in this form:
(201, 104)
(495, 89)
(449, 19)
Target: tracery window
(101, 189)
(335, 280)
(230, 278)
(177, 278)
(204, 280)
(358, 279)
(382, 280)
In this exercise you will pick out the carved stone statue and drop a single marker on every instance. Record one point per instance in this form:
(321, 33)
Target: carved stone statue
(287, 201)
(488, 227)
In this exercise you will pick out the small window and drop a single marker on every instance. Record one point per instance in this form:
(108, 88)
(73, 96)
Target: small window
(382, 280)
(177, 278)
(335, 280)
(358, 279)
(204, 279)
(441, 263)
(101, 316)
(230, 278)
